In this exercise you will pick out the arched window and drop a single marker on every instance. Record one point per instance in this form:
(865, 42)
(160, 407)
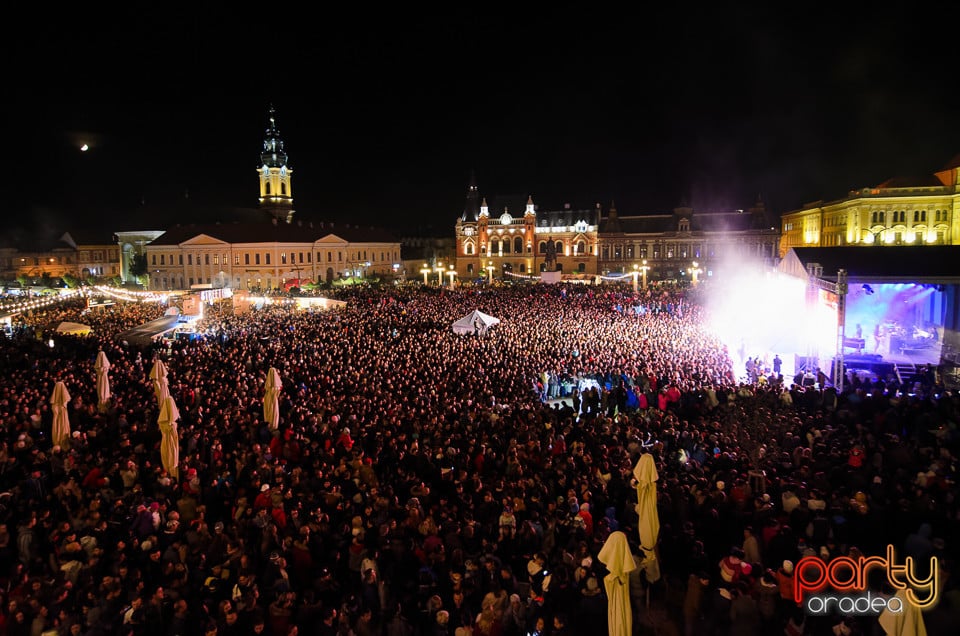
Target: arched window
(494, 246)
(283, 188)
(468, 249)
(267, 187)
(542, 247)
(582, 267)
(581, 248)
(470, 268)
(518, 245)
(505, 246)
(523, 268)
(559, 247)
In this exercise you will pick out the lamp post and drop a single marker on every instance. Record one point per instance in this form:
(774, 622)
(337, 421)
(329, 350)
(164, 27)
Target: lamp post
(636, 272)
(439, 270)
(643, 270)
(490, 271)
(452, 272)
(694, 273)
(425, 270)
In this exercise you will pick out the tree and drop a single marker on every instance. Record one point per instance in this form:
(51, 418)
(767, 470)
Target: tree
(70, 281)
(46, 279)
(23, 280)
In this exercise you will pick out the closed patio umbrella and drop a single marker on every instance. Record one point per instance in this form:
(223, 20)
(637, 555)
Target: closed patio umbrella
(616, 555)
(907, 622)
(170, 440)
(645, 472)
(102, 367)
(159, 376)
(271, 397)
(61, 420)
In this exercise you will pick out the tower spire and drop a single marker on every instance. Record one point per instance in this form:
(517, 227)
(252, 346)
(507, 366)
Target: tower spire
(276, 177)
(471, 211)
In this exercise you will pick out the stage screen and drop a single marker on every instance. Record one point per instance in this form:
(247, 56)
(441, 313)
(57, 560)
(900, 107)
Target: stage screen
(901, 322)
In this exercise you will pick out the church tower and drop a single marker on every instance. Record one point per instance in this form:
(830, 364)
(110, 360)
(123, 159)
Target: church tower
(276, 189)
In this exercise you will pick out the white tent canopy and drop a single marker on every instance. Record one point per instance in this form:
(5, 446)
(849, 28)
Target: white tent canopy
(474, 322)
(74, 328)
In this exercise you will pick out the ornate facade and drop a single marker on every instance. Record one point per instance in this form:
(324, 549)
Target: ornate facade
(899, 211)
(513, 238)
(494, 242)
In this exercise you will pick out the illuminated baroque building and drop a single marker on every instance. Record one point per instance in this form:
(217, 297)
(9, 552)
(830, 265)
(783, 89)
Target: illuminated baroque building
(899, 211)
(589, 242)
(513, 237)
(271, 252)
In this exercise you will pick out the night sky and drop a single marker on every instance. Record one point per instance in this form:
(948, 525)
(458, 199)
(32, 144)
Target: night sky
(385, 112)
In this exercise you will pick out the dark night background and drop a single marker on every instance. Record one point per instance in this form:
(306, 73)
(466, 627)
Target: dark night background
(385, 112)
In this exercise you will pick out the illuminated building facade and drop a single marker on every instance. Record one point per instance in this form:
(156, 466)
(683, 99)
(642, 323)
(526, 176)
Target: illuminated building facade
(685, 243)
(513, 238)
(899, 211)
(590, 242)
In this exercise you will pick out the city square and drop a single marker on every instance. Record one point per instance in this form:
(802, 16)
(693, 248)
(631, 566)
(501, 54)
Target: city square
(396, 321)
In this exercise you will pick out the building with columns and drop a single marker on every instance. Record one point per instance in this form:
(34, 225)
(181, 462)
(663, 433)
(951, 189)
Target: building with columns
(900, 211)
(273, 250)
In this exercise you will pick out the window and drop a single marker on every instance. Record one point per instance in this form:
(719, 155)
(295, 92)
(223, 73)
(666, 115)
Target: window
(180, 258)
(236, 259)
(916, 216)
(542, 247)
(256, 258)
(189, 259)
(161, 259)
(309, 257)
(206, 259)
(283, 258)
(301, 256)
(518, 245)
(559, 248)
(523, 268)
(329, 257)
(283, 188)
(267, 256)
(267, 188)
(643, 251)
(191, 281)
(340, 257)
(216, 259)
(154, 261)
(469, 249)
(630, 249)
(246, 259)
(469, 268)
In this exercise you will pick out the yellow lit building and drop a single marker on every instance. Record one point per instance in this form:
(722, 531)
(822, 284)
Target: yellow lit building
(899, 211)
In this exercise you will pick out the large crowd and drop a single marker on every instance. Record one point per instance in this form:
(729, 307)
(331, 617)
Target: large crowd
(423, 482)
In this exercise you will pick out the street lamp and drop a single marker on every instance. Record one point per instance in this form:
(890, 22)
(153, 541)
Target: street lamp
(451, 273)
(694, 272)
(440, 271)
(490, 271)
(425, 270)
(643, 270)
(636, 272)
